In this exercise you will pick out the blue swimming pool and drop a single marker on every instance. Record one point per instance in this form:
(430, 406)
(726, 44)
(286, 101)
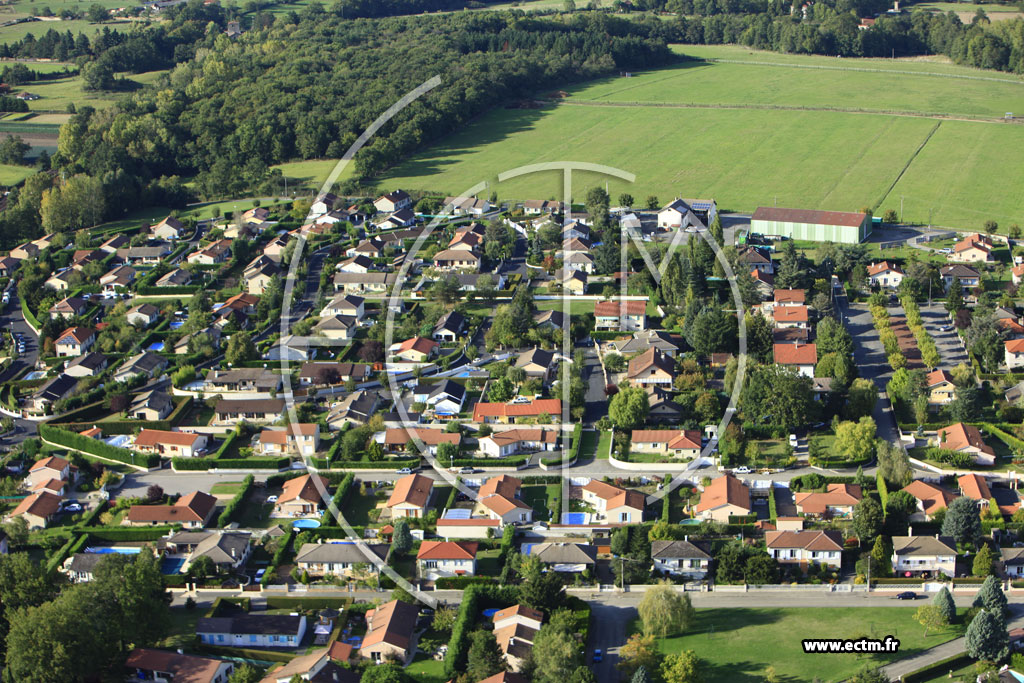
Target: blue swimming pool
(156, 346)
(171, 565)
(306, 524)
(114, 551)
(689, 522)
(176, 324)
(490, 612)
(574, 518)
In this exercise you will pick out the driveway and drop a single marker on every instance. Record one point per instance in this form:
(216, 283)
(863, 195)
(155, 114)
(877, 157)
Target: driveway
(608, 621)
(948, 343)
(596, 402)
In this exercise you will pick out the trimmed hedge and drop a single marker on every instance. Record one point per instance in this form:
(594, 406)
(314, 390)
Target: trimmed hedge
(338, 498)
(489, 462)
(226, 444)
(456, 658)
(742, 519)
(297, 603)
(73, 545)
(152, 290)
(321, 463)
(461, 582)
(29, 317)
(279, 554)
(883, 490)
(125, 426)
(264, 655)
(199, 464)
(773, 513)
(229, 510)
(100, 449)
(127, 533)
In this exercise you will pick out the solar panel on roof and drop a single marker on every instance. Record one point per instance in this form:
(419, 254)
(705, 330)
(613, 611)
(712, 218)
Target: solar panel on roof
(457, 513)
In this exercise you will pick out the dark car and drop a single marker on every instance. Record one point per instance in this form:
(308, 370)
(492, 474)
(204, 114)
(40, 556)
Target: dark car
(906, 595)
(597, 655)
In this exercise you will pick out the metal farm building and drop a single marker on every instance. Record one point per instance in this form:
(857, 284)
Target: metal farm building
(816, 226)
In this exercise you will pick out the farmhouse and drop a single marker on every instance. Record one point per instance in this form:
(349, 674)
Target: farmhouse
(814, 226)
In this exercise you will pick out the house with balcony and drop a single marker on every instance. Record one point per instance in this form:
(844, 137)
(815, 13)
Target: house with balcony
(651, 367)
(680, 559)
(621, 316)
(923, 556)
(805, 548)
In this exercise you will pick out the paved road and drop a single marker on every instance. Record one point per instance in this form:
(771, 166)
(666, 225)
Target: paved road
(596, 403)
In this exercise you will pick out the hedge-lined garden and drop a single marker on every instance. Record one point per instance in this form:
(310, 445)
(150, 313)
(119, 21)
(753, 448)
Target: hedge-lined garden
(95, 447)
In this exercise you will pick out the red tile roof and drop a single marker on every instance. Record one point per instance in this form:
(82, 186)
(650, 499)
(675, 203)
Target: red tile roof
(154, 437)
(551, 406)
(612, 309)
(447, 550)
(845, 218)
(796, 354)
(722, 491)
(413, 489)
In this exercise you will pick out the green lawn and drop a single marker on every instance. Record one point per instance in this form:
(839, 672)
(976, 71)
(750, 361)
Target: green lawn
(737, 645)
(310, 174)
(487, 563)
(595, 445)
(357, 508)
(818, 159)
(12, 175)
(181, 630)
(226, 487)
(258, 517)
(543, 498)
(576, 307)
(427, 671)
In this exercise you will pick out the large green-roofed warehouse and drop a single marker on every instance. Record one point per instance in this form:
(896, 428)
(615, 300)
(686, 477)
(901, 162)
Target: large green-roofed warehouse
(816, 226)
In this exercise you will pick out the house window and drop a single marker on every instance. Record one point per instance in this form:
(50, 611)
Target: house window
(430, 564)
(252, 638)
(220, 638)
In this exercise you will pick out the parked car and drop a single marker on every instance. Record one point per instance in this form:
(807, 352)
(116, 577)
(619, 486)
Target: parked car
(793, 441)
(742, 469)
(906, 595)
(598, 656)
(404, 470)
(72, 507)
(271, 499)
(467, 470)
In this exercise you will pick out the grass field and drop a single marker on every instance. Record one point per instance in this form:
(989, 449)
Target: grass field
(746, 157)
(57, 94)
(310, 175)
(12, 175)
(737, 645)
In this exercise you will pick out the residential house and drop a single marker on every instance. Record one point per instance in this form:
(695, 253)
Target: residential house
(764, 282)
(393, 201)
(339, 559)
(24, 251)
(81, 567)
(53, 390)
(232, 411)
(974, 248)
(75, 341)
(327, 202)
(410, 496)
(297, 438)
(252, 630)
(114, 243)
(151, 405)
(375, 283)
(678, 214)
(920, 555)
(661, 406)
(449, 327)
(459, 526)
(395, 439)
(723, 497)
(467, 206)
(756, 258)
(317, 666)
(800, 357)
(510, 413)
(169, 228)
(437, 559)
(789, 297)
(680, 558)
(668, 344)
(360, 264)
(521, 440)
(1013, 353)
(837, 501)
(675, 442)
(579, 260)
(211, 335)
(965, 438)
(976, 488)
(212, 254)
(162, 666)
(1017, 274)
(61, 280)
(575, 229)
(805, 548)
(69, 307)
(537, 364)
(49, 469)
(515, 629)
(302, 497)
(142, 315)
(614, 504)
(535, 207)
(341, 327)
(549, 320)
(257, 280)
(885, 274)
(171, 444)
(930, 499)
(390, 632)
(651, 367)
(191, 511)
(565, 557)
(445, 398)
(228, 550)
(117, 279)
(324, 373)
(83, 257)
(570, 280)
(415, 350)
(941, 389)
(967, 276)
(179, 277)
(256, 215)
(621, 316)
(457, 259)
(372, 248)
(499, 500)
(790, 316)
(146, 363)
(38, 509)
(88, 365)
(402, 218)
(242, 380)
